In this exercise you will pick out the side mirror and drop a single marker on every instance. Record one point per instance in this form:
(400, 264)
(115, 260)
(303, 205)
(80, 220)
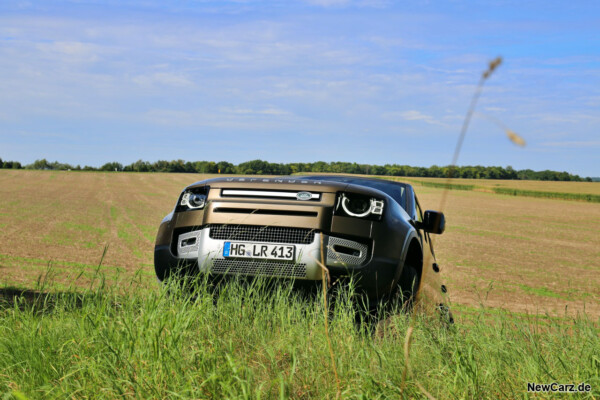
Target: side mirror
(433, 222)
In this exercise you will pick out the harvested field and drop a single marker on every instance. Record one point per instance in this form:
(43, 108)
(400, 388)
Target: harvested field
(519, 253)
(523, 254)
(67, 218)
(542, 186)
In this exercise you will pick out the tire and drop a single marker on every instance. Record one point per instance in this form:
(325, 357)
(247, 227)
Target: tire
(408, 286)
(400, 299)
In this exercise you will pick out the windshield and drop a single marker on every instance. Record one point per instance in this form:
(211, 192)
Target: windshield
(395, 190)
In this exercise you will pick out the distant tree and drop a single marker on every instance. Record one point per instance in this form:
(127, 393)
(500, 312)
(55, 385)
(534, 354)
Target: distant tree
(492, 173)
(140, 166)
(112, 166)
(161, 166)
(225, 167)
(210, 167)
(303, 167)
(435, 171)
(176, 166)
(39, 164)
(319, 166)
(263, 167)
(285, 169)
(60, 166)
(189, 167)
(510, 173)
(254, 167)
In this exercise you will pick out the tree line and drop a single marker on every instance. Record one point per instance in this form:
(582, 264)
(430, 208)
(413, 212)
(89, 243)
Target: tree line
(260, 167)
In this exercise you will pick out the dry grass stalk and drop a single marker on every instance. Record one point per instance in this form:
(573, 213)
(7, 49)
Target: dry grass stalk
(407, 370)
(326, 283)
(492, 66)
(407, 340)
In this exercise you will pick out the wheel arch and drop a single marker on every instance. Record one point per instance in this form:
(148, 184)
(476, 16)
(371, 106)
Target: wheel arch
(414, 256)
(412, 251)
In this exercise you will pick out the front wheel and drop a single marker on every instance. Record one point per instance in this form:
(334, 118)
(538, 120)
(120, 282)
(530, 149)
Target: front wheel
(408, 285)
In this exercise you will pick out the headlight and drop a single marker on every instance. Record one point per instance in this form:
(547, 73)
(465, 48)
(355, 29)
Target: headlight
(355, 205)
(193, 199)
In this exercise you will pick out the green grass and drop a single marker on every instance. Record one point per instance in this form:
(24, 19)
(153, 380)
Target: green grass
(541, 291)
(71, 226)
(124, 233)
(114, 212)
(66, 233)
(254, 341)
(149, 231)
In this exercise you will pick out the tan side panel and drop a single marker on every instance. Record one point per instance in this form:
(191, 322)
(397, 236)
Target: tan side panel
(163, 237)
(351, 226)
(189, 218)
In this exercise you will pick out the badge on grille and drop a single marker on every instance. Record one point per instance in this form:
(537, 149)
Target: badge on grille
(304, 195)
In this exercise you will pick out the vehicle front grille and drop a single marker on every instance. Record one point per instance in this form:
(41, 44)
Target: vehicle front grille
(259, 268)
(268, 234)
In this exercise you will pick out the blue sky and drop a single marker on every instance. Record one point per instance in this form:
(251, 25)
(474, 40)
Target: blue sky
(87, 82)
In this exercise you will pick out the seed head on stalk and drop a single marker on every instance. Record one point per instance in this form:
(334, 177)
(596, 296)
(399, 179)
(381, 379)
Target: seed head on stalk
(495, 63)
(515, 138)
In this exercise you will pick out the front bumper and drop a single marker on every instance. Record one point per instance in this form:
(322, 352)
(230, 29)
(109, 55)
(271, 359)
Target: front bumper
(204, 247)
(196, 251)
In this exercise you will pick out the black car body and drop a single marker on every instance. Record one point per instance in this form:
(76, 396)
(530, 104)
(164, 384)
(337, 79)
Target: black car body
(372, 229)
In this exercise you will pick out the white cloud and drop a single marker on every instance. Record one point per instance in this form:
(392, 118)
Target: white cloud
(357, 3)
(248, 111)
(567, 117)
(414, 115)
(328, 3)
(162, 78)
(573, 143)
(244, 119)
(173, 117)
(76, 49)
(495, 109)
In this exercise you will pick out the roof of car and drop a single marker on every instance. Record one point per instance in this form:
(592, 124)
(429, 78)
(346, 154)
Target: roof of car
(349, 179)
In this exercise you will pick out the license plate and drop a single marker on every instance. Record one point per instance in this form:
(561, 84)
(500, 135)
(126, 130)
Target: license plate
(257, 250)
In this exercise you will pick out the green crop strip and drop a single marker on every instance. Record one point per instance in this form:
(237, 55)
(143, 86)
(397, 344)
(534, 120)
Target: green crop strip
(592, 198)
(439, 185)
(587, 197)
